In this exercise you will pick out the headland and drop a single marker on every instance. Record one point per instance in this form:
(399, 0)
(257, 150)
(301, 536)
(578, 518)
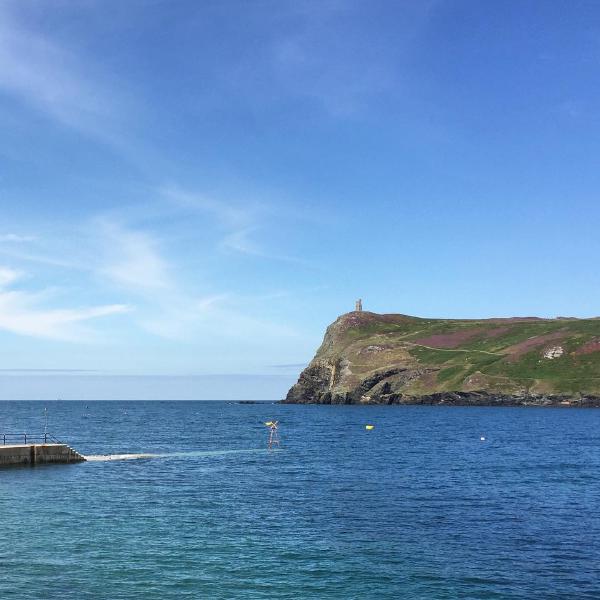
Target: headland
(370, 358)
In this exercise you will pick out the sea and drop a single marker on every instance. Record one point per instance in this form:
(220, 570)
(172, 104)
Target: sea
(430, 503)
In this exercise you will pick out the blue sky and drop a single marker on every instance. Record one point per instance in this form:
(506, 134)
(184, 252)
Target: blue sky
(191, 190)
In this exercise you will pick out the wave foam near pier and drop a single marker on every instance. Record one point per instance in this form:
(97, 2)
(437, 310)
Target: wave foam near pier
(107, 457)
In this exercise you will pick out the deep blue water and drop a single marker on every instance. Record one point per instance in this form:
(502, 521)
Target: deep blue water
(419, 507)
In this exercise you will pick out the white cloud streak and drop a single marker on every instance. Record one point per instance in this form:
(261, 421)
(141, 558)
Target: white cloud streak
(21, 313)
(237, 223)
(133, 259)
(240, 226)
(15, 237)
(123, 254)
(165, 306)
(8, 276)
(225, 213)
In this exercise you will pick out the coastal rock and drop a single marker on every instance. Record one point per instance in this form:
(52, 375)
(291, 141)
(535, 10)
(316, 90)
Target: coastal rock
(554, 352)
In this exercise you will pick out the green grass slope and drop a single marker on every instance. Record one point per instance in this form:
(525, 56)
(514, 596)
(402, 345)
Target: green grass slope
(371, 357)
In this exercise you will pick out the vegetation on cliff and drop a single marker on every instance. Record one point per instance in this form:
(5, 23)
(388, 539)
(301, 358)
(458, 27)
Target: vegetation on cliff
(371, 358)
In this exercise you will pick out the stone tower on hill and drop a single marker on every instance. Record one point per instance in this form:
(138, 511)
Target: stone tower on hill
(358, 305)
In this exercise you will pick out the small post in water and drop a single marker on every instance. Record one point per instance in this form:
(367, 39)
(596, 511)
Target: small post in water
(273, 434)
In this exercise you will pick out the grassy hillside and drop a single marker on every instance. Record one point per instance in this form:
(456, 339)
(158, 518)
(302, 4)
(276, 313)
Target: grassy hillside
(521, 356)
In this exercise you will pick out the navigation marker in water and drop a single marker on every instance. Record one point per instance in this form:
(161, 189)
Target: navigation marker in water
(273, 435)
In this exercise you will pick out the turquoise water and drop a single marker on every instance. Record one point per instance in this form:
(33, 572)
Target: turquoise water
(419, 507)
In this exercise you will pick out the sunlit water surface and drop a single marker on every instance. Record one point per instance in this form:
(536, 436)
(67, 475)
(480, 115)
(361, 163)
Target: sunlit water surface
(418, 507)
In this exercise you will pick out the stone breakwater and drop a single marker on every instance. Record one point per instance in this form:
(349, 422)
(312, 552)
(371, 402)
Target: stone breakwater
(34, 454)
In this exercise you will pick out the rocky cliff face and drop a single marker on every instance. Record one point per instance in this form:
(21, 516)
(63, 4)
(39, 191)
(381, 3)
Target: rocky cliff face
(367, 358)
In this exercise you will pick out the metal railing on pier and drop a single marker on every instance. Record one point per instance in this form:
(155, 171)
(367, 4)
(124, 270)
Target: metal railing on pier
(13, 439)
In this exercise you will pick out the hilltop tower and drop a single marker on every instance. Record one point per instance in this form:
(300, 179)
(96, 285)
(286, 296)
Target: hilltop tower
(358, 305)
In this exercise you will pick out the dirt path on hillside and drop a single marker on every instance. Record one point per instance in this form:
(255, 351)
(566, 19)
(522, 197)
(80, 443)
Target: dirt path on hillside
(454, 349)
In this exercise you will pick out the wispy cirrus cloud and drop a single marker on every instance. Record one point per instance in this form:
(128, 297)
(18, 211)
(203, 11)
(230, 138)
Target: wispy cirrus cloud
(313, 54)
(169, 303)
(227, 214)
(8, 276)
(25, 313)
(244, 226)
(49, 78)
(237, 223)
(16, 237)
(132, 259)
(241, 241)
(19, 313)
(147, 259)
(34, 249)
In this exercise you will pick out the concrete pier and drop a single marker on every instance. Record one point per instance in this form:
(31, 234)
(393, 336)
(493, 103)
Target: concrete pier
(38, 454)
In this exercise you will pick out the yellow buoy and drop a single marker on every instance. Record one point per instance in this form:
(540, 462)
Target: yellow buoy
(369, 427)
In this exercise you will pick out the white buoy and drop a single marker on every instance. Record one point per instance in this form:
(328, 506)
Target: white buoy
(482, 439)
